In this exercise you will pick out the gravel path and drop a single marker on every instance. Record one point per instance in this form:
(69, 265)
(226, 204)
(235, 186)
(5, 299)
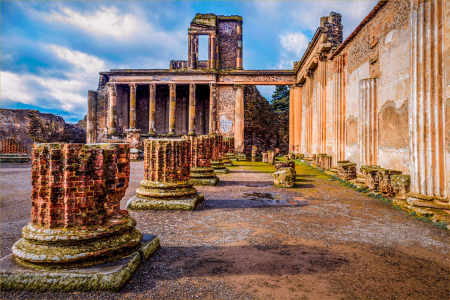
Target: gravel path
(254, 241)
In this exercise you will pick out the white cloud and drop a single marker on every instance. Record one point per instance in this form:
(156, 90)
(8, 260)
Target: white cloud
(12, 87)
(293, 45)
(294, 42)
(68, 94)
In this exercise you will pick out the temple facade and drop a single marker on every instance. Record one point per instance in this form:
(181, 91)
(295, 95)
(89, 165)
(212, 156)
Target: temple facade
(191, 97)
(381, 97)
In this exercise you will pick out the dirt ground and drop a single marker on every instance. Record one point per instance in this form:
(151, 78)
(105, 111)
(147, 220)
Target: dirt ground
(319, 240)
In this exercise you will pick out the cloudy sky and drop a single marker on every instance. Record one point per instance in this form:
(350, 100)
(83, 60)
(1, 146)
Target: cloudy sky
(52, 51)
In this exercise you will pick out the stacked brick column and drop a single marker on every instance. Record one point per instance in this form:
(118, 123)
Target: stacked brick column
(166, 176)
(76, 197)
(228, 143)
(201, 153)
(217, 154)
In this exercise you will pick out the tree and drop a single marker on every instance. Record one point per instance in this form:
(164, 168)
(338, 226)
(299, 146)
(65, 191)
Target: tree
(280, 98)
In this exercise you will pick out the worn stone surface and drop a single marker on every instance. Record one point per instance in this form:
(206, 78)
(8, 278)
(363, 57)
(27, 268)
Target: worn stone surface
(318, 240)
(107, 276)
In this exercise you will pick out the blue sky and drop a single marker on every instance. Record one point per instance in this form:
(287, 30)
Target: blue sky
(52, 51)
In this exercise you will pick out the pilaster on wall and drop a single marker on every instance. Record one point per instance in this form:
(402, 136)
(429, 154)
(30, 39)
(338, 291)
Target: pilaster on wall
(339, 108)
(368, 133)
(298, 118)
(427, 102)
(291, 120)
(322, 102)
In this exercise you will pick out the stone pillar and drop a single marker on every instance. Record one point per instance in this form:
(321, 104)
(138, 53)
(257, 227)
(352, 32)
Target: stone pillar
(152, 109)
(212, 108)
(76, 221)
(172, 105)
(368, 121)
(254, 152)
(239, 119)
(192, 107)
(112, 106)
(322, 103)
(212, 51)
(201, 153)
(166, 177)
(297, 94)
(239, 63)
(91, 126)
(193, 51)
(132, 124)
(427, 105)
(291, 120)
(339, 107)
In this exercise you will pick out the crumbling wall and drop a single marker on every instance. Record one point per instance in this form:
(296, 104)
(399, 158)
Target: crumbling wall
(263, 127)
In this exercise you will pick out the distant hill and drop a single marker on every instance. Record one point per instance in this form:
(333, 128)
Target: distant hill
(28, 126)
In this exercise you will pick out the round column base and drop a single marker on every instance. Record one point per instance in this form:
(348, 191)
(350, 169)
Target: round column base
(165, 196)
(203, 176)
(75, 247)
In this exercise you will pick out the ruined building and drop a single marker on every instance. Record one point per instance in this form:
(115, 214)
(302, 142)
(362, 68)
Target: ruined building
(381, 97)
(191, 97)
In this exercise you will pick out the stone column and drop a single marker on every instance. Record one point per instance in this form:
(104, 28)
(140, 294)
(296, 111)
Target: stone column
(322, 102)
(172, 106)
(192, 107)
(427, 105)
(112, 105)
(239, 47)
(151, 109)
(298, 118)
(339, 107)
(212, 51)
(91, 126)
(166, 177)
(201, 154)
(212, 108)
(239, 119)
(291, 120)
(132, 123)
(368, 121)
(76, 221)
(193, 51)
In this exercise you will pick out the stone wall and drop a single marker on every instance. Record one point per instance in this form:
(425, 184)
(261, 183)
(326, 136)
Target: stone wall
(28, 126)
(263, 127)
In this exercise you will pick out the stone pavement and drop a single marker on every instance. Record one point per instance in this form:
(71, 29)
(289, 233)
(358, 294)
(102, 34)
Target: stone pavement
(319, 240)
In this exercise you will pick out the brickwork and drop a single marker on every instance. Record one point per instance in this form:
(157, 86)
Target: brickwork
(201, 151)
(76, 184)
(10, 145)
(167, 160)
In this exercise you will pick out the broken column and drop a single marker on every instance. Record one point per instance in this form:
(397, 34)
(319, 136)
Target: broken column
(166, 177)
(254, 152)
(201, 153)
(76, 222)
(217, 154)
(229, 151)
